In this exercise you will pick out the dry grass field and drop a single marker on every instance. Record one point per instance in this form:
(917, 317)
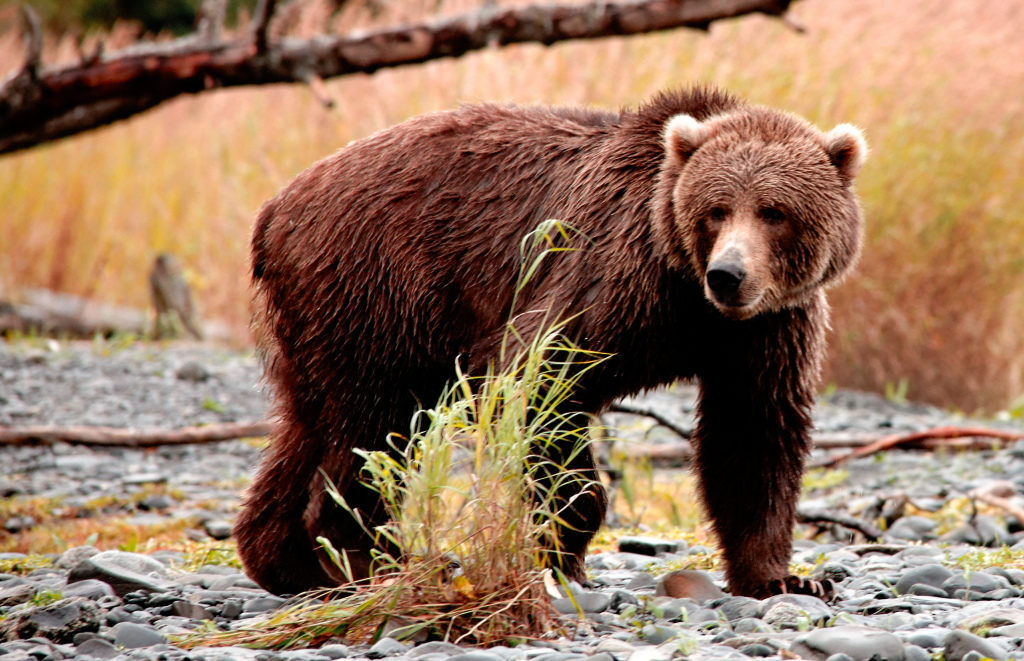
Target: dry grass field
(938, 301)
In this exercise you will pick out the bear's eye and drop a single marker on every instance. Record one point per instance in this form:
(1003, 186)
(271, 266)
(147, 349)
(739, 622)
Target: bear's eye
(772, 215)
(718, 214)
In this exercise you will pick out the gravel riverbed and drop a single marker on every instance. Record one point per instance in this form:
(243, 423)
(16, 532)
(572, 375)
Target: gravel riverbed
(943, 580)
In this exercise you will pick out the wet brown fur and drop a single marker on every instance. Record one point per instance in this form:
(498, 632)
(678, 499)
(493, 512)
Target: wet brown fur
(380, 265)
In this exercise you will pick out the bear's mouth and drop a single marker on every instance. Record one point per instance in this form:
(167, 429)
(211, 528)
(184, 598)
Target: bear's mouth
(738, 310)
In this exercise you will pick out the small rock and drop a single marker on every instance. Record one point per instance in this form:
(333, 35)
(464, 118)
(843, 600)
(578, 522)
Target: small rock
(218, 528)
(932, 575)
(157, 501)
(262, 604)
(807, 608)
(476, 655)
(735, 608)
(90, 588)
(758, 649)
(386, 647)
(433, 647)
(98, 648)
(688, 584)
(657, 634)
(192, 371)
(132, 635)
(912, 529)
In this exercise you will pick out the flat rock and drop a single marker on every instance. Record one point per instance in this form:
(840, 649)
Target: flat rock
(121, 579)
(959, 644)
(859, 643)
(932, 575)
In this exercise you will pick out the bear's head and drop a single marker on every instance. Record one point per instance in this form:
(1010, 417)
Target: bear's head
(762, 205)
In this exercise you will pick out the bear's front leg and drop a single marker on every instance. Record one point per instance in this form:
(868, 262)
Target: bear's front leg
(752, 436)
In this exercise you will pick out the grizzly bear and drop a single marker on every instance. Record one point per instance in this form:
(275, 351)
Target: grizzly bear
(712, 229)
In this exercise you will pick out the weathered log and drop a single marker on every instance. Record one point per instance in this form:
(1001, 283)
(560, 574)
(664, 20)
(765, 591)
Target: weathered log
(131, 438)
(55, 313)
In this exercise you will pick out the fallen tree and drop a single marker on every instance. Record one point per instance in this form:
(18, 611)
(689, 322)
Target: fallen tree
(39, 104)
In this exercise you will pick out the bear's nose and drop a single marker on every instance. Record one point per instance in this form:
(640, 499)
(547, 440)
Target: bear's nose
(724, 278)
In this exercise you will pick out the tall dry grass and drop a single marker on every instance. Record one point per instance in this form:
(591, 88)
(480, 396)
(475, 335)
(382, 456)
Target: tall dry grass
(939, 297)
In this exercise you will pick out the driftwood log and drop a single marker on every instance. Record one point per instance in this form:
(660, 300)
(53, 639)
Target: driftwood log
(38, 103)
(131, 438)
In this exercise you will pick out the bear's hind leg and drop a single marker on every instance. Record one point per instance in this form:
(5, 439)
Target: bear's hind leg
(273, 544)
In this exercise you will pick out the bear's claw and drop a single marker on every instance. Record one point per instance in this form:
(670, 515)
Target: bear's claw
(824, 589)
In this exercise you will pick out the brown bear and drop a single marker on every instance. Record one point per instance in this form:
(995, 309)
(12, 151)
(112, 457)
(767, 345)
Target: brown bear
(712, 226)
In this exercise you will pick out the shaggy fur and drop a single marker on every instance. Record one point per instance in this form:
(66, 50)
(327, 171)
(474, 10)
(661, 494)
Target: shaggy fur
(380, 265)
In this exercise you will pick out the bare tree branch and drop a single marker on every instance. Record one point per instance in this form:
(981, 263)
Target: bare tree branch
(817, 516)
(64, 100)
(928, 438)
(132, 438)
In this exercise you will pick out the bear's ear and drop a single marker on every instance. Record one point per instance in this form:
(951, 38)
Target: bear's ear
(847, 149)
(684, 134)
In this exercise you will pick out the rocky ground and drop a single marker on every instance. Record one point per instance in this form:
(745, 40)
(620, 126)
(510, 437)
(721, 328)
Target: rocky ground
(944, 580)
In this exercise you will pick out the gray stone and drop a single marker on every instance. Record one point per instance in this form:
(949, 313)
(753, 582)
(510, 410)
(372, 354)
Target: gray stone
(840, 657)
(60, 621)
(921, 589)
(991, 619)
(475, 656)
(933, 575)
(860, 643)
(641, 580)
(735, 608)
(218, 528)
(656, 634)
(74, 555)
(131, 635)
(809, 608)
(90, 588)
(912, 529)
(983, 531)
(958, 644)
(262, 604)
(157, 501)
(1009, 631)
(751, 625)
(98, 648)
(433, 647)
(124, 572)
(758, 649)
(593, 602)
(386, 647)
(335, 651)
(191, 610)
(193, 371)
(978, 581)
(16, 594)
